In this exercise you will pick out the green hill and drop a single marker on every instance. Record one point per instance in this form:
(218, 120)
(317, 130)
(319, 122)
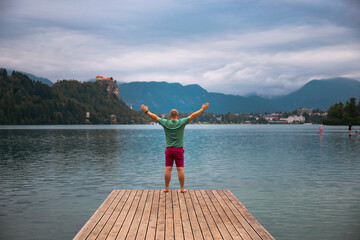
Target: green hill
(161, 97)
(25, 101)
(321, 94)
(33, 77)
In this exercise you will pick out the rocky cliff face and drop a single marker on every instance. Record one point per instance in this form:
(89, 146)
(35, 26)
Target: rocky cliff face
(112, 87)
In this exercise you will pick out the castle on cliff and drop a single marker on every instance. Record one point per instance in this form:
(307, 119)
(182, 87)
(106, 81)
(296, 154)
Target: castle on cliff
(101, 78)
(110, 84)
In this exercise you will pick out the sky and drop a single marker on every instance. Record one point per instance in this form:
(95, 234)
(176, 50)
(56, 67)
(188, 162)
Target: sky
(241, 47)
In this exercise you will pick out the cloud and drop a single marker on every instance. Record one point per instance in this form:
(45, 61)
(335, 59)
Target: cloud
(257, 63)
(281, 72)
(132, 41)
(261, 62)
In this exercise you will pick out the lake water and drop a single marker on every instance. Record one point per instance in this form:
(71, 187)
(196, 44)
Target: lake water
(297, 184)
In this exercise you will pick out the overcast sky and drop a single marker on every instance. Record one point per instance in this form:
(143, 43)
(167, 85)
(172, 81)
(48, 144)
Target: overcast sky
(268, 47)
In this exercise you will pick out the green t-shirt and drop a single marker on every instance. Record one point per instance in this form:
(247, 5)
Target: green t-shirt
(174, 131)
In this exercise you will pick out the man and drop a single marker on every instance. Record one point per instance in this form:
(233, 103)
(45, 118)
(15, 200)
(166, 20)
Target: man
(174, 133)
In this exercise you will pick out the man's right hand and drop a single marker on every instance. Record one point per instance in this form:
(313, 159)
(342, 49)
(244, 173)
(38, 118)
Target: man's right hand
(144, 108)
(196, 114)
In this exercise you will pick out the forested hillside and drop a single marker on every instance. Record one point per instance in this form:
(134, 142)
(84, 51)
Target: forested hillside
(33, 77)
(343, 114)
(24, 101)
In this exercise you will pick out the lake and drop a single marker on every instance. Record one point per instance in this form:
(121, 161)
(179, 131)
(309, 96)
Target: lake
(298, 184)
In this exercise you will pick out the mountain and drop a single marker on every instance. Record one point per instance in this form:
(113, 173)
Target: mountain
(24, 101)
(35, 78)
(224, 103)
(161, 97)
(321, 94)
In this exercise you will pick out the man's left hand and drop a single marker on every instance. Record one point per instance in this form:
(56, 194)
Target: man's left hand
(205, 106)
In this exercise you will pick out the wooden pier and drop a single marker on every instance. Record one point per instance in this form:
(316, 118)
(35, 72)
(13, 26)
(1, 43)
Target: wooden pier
(154, 214)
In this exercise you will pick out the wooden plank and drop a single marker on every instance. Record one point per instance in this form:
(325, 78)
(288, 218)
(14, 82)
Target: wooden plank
(207, 215)
(153, 214)
(188, 234)
(91, 223)
(222, 228)
(178, 228)
(137, 218)
(130, 216)
(146, 216)
(106, 217)
(234, 234)
(193, 219)
(237, 225)
(244, 223)
(160, 228)
(264, 234)
(110, 223)
(151, 230)
(121, 218)
(169, 225)
(200, 216)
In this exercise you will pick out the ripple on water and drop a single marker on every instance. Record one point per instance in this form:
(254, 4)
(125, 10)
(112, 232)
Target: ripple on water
(299, 185)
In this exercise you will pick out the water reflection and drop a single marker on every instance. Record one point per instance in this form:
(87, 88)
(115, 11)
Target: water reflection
(298, 184)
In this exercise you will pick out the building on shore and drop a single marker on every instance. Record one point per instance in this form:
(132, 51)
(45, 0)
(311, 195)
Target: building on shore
(296, 119)
(272, 117)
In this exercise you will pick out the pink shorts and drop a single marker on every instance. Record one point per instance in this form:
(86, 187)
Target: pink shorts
(174, 153)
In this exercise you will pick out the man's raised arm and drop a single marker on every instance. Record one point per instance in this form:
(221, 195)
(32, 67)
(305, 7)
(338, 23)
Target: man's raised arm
(196, 114)
(150, 114)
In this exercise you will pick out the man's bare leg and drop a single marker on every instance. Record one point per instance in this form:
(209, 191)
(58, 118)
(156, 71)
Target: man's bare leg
(181, 176)
(167, 178)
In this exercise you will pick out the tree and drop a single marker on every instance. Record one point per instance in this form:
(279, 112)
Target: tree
(306, 116)
(3, 73)
(24, 101)
(336, 111)
(350, 110)
(262, 120)
(338, 114)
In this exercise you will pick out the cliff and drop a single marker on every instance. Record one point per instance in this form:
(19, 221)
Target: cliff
(111, 87)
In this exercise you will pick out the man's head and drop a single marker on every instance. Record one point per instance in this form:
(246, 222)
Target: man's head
(174, 114)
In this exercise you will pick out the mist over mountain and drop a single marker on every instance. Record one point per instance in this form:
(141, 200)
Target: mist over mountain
(161, 97)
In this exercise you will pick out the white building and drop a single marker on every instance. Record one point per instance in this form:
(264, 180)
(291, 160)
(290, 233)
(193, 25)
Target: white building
(271, 117)
(295, 118)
